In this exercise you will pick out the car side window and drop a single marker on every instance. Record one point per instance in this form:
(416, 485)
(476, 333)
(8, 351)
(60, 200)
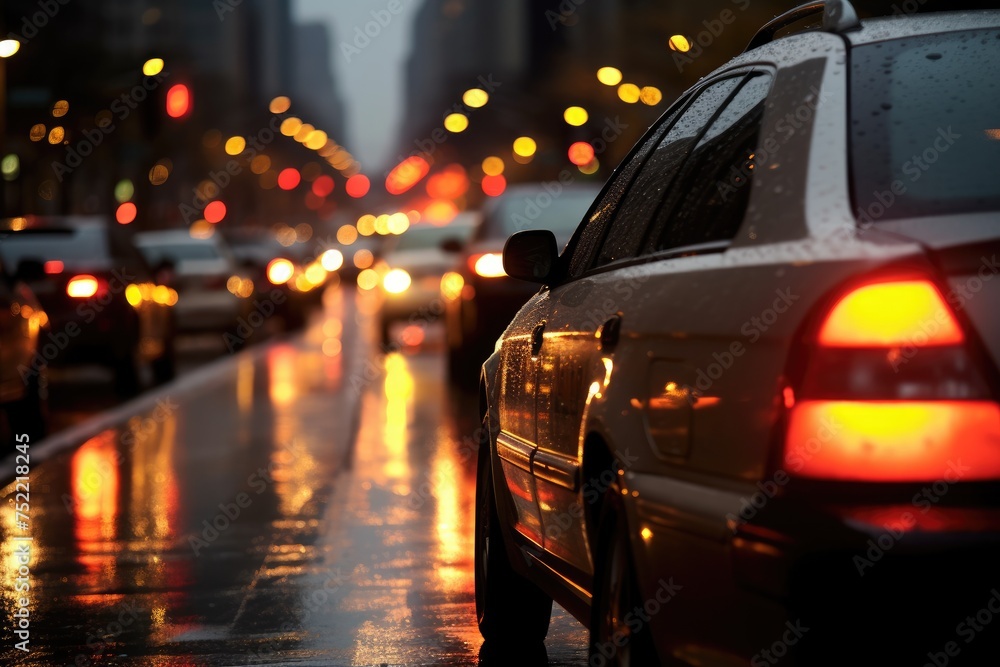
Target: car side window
(712, 192)
(624, 236)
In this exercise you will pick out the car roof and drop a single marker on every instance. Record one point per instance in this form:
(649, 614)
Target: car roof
(881, 28)
(174, 236)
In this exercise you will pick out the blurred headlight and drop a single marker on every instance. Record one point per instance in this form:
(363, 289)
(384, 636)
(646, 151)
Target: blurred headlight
(315, 274)
(489, 265)
(280, 271)
(396, 281)
(133, 295)
(332, 259)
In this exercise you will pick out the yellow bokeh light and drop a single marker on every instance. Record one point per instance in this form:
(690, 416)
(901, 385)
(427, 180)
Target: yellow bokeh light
(316, 140)
(525, 146)
(609, 76)
(628, 92)
(368, 279)
(201, 229)
(590, 168)
(575, 116)
(493, 166)
(235, 145)
(152, 67)
(57, 134)
(382, 224)
(650, 95)
(398, 223)
(679, 43)
(363, 258)
(60, 108)
(456, 122)
(366, 224)
(475, 98)
(304, 131)
(280, 104)
(290, 126)
(260, 164)
(37, 132)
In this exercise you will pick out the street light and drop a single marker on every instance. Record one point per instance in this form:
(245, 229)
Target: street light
(9, 47)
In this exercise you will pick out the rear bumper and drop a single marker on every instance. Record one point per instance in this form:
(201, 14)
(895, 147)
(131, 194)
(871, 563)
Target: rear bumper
(861, 585)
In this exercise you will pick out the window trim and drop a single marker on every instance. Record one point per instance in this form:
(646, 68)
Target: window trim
(680, 105)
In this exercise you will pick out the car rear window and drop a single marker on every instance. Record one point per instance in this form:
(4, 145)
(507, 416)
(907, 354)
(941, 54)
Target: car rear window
(72, 246)
(925, 125)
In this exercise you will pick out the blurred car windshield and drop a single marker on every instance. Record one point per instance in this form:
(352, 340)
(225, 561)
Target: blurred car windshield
(517, 212)
(925, 135)
(70, 245)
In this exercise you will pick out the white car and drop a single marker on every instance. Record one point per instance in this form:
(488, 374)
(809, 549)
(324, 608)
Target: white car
(212, 292)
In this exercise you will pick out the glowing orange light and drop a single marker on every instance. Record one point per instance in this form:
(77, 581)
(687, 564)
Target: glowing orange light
(440, 211)
(888, 314)
(488, 265)
(53, 266)
(406, 174)
(893, 440)
(215, 211)
(322, 186)
(581, 153)
(494, 185)
(178, 101)
(357, 186)
(126, 213)
(451, 183)
(82, 287)
(289, 178)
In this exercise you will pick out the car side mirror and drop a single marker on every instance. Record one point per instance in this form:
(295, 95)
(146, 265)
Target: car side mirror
(451, 245)
(531, 255)
(29, 271)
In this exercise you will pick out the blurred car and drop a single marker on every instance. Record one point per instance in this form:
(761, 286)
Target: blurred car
(213, 292)
(480, 299)
(99, 294)
(414, 263)
(23, 385)
(754, 411)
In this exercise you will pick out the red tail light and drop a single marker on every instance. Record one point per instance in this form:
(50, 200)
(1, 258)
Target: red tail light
(890, 393)
(82, 286)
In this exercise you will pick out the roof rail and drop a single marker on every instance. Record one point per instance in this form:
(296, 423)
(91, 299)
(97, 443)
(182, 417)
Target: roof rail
(838, 17)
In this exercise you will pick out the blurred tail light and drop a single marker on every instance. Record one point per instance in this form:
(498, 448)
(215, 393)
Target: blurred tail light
(890, 393)
(487, 265)
(396, 281)
(82, 286)
(53, 267)
(451, 285)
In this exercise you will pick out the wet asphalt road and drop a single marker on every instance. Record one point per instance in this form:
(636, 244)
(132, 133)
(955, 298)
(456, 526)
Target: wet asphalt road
(308, 501)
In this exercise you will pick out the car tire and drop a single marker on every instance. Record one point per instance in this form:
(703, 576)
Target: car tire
(613, 641)
(509, 608)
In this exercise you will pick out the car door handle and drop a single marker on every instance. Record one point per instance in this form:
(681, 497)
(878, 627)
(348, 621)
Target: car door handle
(537, 336)
(607, 335)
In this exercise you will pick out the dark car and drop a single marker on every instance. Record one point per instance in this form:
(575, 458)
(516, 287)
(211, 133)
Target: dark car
(753, 414)
(102, 301)
(23, 331)
(480, 299)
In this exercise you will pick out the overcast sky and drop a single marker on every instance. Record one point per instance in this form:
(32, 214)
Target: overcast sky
(370, 77)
